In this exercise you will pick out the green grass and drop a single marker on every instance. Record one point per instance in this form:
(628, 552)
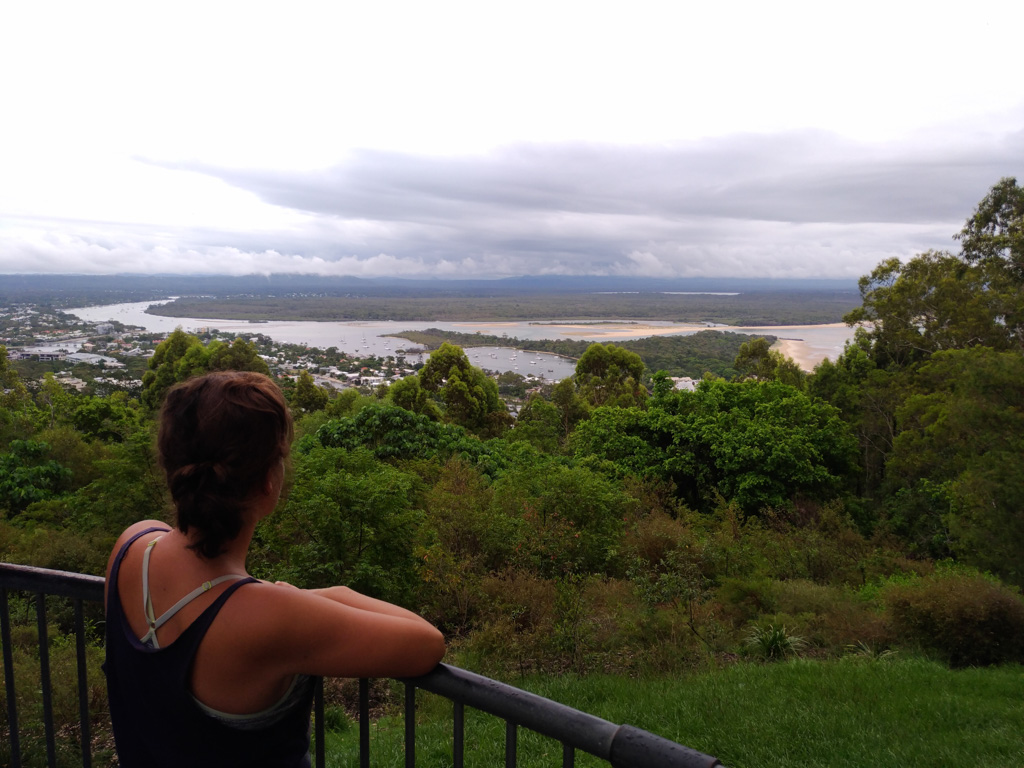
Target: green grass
(798, 713)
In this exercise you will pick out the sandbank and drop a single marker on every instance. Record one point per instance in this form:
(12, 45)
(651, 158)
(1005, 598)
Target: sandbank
(605, 330)
(801, 353)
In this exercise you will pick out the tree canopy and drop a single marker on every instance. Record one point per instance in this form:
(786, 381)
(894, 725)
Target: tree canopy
(610, 375)
(470, 397)
(995, 233)
(758, 443)
(182, 356)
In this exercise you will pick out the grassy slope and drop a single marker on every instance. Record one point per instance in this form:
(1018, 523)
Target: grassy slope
(801, 713)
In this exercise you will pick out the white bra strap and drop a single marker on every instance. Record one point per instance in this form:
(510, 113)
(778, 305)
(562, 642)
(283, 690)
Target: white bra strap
(147, 603)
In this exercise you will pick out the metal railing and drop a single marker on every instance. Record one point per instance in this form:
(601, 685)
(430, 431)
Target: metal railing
(620, 745)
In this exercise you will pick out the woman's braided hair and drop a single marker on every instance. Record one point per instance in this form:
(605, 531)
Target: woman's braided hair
(220, 434)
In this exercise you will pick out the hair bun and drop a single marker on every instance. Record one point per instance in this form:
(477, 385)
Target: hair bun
(217, 469)
(202, 471)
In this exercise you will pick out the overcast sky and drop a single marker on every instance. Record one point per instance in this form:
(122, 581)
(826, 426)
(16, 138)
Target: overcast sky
(478, 139)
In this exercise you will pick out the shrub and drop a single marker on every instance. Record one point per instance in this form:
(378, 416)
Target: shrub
(652, 537)
(515, 624)
(803, 596)
(745, 599)
(831, 617)
(962, 616)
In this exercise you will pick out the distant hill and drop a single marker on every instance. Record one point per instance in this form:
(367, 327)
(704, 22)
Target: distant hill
(68, 290)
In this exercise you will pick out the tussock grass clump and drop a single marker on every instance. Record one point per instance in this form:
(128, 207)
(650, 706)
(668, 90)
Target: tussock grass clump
(774, 643)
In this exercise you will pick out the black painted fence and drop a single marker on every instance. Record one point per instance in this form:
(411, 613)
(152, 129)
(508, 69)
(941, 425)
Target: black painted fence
(619, 745)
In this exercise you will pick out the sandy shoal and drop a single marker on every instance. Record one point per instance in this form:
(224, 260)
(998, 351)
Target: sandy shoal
(802, 354)
(602, 330)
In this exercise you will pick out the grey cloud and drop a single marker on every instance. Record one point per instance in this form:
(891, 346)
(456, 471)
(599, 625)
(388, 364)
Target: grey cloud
(809, 177)
(800, 204)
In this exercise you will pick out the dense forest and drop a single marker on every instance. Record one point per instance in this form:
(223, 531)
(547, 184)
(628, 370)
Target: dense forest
(871, 506)
(779, 306)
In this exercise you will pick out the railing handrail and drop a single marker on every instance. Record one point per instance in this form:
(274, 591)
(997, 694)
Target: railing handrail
(618, 744)
(621, 745)
(62, 583)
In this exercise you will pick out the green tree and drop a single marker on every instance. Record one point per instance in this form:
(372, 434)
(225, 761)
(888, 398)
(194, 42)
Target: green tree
(953, 478)
(933, 302)
(240, 355)
(393, 433)
(12, 392)
(348, 519)
(610, 375)
(348, 402)
(28, 474)
(663, 386)
(539, 423)
(571, 516)
(572, 408)
(511, 384)
(868, 397)
(128, 485)
(463, 542)
(470, 397)
(758, 361)
(182, 356)
(442, 363)
(995, 232)
(54, 400)
(760, 444)
(307, 397)
(407, 393)
(109, 419)
(162, 371)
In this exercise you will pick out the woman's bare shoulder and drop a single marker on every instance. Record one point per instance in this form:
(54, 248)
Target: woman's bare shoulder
(130, 531)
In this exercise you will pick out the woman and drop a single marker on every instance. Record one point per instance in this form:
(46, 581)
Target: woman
(206, 665)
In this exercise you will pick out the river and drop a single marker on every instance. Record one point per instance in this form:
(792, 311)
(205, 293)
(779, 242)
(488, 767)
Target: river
(807, 344)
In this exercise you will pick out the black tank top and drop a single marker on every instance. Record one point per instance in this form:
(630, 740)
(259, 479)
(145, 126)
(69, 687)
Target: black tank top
(156, 720)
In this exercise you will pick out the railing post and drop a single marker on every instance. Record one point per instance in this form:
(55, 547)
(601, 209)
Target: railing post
(44, 679)
(318, 733)
(85, 736)
(364, 723)
(12, 701)
(510, 744)
(458, 734)
(410, 725)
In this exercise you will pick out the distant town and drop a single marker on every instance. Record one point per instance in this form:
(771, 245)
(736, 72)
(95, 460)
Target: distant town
(100, 358)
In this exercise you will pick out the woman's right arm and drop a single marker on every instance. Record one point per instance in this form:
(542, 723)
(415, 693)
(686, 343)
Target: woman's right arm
(348, 596)
(337, 632)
